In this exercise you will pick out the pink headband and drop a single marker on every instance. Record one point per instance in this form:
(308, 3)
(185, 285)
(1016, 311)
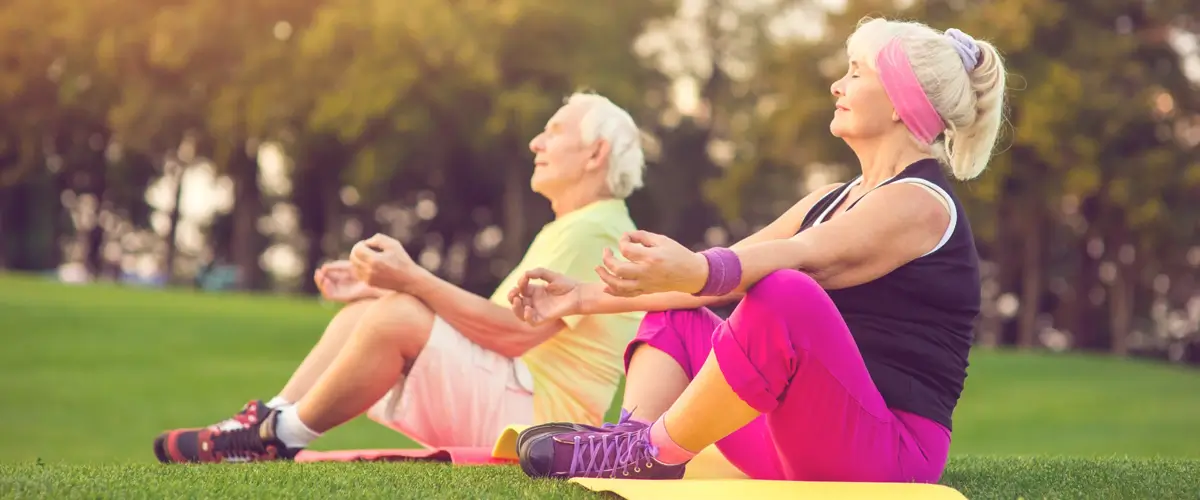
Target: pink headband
(906, 93)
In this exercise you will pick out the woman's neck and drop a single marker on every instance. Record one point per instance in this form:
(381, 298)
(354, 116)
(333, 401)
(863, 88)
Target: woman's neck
(886, 157)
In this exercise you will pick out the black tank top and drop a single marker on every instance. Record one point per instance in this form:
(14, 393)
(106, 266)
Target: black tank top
(914, 325)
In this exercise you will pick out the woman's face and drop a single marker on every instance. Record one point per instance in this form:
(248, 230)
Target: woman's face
(862, 107)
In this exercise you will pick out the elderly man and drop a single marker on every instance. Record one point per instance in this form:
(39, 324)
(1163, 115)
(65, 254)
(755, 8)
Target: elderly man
(444, 366)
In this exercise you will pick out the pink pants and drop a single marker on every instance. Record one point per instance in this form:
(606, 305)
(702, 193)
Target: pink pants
(787, 353)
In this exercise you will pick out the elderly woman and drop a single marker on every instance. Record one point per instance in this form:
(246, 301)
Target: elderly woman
(847, 355)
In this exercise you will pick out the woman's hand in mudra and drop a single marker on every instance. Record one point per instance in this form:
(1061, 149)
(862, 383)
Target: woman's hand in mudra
(655, 264)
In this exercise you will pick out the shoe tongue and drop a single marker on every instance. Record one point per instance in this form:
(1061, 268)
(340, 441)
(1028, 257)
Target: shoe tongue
(230, 425)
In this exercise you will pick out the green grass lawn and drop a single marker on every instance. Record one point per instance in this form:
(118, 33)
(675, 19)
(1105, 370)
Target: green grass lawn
(89, 375)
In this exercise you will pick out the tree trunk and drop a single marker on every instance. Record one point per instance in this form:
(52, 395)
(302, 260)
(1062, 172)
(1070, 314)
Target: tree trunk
(1081, 311)
(516, 183)
(317, 182)
(1120, 301)
(248, 207)
(95, 164)
(176, 170)
(1121, 307)
(1032, 276)
(33, 227)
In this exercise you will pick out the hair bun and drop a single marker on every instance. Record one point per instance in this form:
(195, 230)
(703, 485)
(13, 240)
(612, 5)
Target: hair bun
(967, 48)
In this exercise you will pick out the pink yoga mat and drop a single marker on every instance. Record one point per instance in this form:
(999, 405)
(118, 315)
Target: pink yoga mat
(457, 456)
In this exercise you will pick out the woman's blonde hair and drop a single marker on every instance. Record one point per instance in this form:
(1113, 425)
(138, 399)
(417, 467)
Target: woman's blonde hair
(970, 100)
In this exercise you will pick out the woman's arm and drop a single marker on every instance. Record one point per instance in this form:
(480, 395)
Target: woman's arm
(895, 225)
(593, 299)
(787, 224)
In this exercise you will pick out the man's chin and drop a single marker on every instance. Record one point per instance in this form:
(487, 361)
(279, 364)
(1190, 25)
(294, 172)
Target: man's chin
(540, 186)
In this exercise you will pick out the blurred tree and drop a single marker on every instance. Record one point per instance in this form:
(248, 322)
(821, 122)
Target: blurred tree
(426, 116)
(1099, 106)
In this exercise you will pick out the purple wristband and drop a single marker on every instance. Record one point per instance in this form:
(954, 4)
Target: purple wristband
(724, 272)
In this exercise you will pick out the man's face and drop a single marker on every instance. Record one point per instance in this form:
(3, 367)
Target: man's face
(561, 159)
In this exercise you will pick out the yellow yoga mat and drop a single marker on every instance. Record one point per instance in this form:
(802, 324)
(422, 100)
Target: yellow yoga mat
(710, 475)
(698, 489)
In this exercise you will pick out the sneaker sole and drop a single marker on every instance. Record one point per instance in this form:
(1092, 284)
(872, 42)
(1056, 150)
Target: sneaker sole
(160, 449)
(529, 434)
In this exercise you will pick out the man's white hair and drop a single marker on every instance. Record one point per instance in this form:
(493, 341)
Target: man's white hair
(605, 120)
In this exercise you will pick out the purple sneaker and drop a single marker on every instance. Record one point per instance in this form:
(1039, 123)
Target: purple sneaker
(622, 424)
(611, 453)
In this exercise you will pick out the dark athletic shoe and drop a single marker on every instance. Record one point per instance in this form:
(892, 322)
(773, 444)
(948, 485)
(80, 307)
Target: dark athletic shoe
(618, 453)
(251, 414)
(254, 443)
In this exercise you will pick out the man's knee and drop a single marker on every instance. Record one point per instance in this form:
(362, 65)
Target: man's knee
(398, 319)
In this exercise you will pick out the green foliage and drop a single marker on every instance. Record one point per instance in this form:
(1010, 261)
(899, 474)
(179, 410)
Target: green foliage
(378, 104)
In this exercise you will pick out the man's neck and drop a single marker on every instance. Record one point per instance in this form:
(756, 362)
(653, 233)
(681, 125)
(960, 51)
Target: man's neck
(574, 200)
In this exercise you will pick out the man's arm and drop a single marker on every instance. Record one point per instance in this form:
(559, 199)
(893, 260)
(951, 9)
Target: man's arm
(485, 323)
(593, 300)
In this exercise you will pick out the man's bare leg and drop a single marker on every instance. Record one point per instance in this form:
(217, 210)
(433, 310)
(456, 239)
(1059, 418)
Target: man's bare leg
(390, 335)
(337, 332)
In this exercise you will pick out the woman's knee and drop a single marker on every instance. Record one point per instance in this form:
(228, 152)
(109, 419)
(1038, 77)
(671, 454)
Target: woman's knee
(676, 323)
(681, 333)
(785, 288)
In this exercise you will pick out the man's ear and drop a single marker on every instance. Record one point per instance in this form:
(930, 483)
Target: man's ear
(599, 157)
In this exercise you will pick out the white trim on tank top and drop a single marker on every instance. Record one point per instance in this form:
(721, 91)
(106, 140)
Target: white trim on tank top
(949, 204)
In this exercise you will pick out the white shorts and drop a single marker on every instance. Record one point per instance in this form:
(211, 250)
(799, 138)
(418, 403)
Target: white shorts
(457, 394)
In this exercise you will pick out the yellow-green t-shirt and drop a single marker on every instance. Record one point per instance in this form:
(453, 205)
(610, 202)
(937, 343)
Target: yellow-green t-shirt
(576, 372)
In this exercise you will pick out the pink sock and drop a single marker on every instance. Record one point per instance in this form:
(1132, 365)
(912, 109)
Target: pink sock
(669, 452)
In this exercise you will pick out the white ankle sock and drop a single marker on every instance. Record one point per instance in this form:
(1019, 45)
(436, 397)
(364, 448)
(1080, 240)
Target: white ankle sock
(292, 431)
(278, 402)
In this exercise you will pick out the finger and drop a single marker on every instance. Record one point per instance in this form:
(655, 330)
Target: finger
(623, 270)
(540, 273)
(337, 265)
(529, 315)
(642, 237)
(518, 307)
(383, 242)
(361, 269)
(615, 284)
(357, 252)
(339, 275)
(633, 251)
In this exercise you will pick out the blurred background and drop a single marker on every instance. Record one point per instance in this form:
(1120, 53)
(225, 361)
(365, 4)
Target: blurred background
(231, 147)
(238, 145)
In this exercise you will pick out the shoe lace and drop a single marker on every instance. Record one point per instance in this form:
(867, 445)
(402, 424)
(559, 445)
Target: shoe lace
(611, 453)
(239, 444)
(245, 418)
(625, 415)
